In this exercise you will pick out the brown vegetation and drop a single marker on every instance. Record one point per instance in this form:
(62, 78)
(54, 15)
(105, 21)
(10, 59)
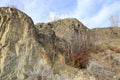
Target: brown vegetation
(78, 47)
(80, 60)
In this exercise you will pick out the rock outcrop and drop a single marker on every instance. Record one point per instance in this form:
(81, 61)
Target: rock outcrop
(19, 50)
(57, 31)
(63, 26)
(58, 37)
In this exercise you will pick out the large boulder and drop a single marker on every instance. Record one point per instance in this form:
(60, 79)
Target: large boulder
(19, 49)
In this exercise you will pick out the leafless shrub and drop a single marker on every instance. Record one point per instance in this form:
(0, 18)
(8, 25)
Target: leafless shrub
(42, 69)
(78, 46)
(114, 20)
(80, 41)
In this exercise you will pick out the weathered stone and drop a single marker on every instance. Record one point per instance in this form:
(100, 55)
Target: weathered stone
(19, 49)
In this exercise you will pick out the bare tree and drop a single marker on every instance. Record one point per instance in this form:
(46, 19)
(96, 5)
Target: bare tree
(79, 44)
(114, 20)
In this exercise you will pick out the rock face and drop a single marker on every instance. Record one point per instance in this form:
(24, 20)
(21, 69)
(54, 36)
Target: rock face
(19, 49)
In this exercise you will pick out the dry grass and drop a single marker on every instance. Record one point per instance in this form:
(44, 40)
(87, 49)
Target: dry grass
(98, 71)
(106, 65)
(43, 71)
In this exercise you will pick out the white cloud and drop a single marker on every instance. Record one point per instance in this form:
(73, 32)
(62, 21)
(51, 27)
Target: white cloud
(93, 13)
(3, 2)
(36, 9)
(52, 16)
(101, 19)
(55, 16)
(83, 7)
(83, 10)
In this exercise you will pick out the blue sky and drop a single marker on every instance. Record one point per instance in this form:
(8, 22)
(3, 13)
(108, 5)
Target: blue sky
(92, 13)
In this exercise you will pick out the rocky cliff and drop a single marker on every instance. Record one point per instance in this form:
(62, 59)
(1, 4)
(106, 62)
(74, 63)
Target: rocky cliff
(19, 49)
